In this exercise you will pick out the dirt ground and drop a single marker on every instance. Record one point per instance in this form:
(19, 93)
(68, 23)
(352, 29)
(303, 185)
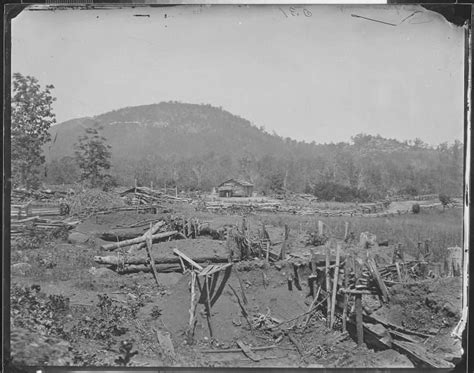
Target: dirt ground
(68, 269)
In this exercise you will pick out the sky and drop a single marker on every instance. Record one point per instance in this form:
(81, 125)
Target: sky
(312, 72)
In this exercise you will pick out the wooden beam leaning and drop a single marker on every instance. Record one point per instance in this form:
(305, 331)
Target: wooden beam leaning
(188, 260)
(334, 288)
(150, 257)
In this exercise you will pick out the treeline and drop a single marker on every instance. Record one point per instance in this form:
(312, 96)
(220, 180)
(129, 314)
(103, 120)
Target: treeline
(367, 168)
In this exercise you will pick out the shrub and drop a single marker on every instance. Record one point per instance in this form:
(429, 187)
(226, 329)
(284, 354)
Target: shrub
(415, 208)
(329, 191)
(444, 199)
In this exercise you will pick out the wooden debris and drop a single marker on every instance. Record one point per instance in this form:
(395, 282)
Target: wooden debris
(284, 246)
(159, 259)
(248, 351)
(308, 317)
(188, 260)
(359, 324)
(293, 340)
(208, 304)
(192, 310)
(242, 307)
(377, 319)
(402, 336)
(375, 272)
(328, 310)
(260, 348)
(346, 299)
(150, 257)
(165, 343)
(296, 277)
(116, 245)
(418, 354)
(334, 288)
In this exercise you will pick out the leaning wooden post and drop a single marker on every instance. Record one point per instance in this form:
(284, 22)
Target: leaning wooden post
(359, 324)
(346, 229)
(358, 306)
(334, 287)
(328, 287)
(208, 305)
(346, 297)
(285, 243)
(150, 257)
(192, 309)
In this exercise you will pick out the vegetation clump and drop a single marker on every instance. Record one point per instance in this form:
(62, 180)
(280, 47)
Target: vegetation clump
(415, 208)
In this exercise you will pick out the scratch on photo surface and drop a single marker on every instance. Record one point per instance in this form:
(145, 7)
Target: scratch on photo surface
(374, 20)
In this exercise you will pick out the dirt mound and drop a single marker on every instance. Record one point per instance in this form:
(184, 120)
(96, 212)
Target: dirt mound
(425, 306)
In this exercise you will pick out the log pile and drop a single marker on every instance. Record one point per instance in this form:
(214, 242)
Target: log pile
(146, 196)
(200, 250)
(42, 195)
(36, 223)
(241, 207)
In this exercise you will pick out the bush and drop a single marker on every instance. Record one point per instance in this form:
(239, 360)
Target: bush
(415, 208)
(88, 201)
(409, 190)
(444, 199)
(328, 191)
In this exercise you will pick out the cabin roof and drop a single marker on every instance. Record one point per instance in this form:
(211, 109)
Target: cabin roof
(237, 181)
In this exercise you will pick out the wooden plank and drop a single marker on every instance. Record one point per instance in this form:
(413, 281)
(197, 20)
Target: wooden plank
(328, 308)
(150, 257)
(116, 245)
(187, 259)
(165, 343)
(398, 272)
(208, 306)
(334, 288)
(260, 348)
(346, 298)
(375, 318)
(373, 269)
(242, 307)
(247, 351)
(402, 336)
(359, 324)
(216, 268)
(418, 354)
(192, 310)
(205, 271)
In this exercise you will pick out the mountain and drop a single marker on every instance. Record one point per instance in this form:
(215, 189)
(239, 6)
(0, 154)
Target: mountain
(167, 128)
(198, 146)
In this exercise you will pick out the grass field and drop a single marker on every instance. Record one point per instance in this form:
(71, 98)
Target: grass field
(443, 228)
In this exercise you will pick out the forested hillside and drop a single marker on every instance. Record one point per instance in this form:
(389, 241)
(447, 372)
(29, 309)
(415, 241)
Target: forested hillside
(198, 146)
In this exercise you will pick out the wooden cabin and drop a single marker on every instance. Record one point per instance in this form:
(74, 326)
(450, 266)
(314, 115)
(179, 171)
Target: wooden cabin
(235, 188)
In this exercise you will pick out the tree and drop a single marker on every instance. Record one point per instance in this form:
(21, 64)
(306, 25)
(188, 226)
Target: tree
(63, 171)
(32, 116)
(415, 208)
(444, 199)
(93, 157)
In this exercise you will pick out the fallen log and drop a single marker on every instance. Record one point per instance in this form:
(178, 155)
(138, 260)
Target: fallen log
(161, 268)
(377, 319)
(137, 260)
(116, 245)
(153, 229)
(419, 356)
(262, 348)
(120, 235)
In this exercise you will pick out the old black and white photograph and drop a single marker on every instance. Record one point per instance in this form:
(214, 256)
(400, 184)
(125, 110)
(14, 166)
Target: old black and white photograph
(238, 186)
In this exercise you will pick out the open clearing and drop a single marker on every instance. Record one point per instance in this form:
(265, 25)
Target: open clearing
(91, 314)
